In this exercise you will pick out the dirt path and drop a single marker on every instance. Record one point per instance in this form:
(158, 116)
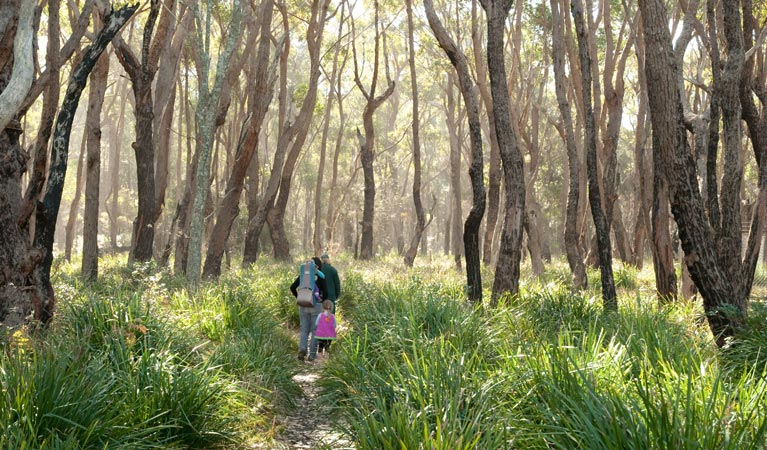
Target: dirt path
(306, 427)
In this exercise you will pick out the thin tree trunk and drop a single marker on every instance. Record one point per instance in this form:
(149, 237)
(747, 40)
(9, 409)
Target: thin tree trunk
(420, 216)
(98, 87)
(572, 247)
(74, 207)
(600, 222)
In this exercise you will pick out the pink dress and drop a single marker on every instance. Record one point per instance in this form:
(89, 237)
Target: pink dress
(326, 327)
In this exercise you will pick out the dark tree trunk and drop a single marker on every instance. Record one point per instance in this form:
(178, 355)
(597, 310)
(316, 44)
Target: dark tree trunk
(474, 219)
(30, 271)
(420, 216)
(697, 238)
(507, 269)
(600, 222)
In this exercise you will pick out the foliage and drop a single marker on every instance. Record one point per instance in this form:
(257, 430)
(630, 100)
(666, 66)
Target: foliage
(161, 368)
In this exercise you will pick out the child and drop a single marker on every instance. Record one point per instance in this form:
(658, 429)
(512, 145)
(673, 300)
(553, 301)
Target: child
(326, 327)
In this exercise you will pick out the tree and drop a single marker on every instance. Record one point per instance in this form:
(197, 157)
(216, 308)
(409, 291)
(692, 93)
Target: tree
(507, 269)
(98, 87)
(26, 285)
(205, 115)
(261, 89)
(600, 221)
(420, 216)
(723, 297)
(476, 169)
(141, 72)
(572, 249)
(367, 141)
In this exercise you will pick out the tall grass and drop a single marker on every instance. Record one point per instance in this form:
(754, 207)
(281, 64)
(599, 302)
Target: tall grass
(418, 369)
(135, 361)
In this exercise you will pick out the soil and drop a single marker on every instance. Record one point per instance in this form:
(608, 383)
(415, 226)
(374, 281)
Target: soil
(307, 427)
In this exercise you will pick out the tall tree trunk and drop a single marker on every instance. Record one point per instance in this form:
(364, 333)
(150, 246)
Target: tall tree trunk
(453, 125)
(420, 216)
(507, 270)
(600, 222)
(261, 89)
(494, 166)
(697, 237)
(141, 72)
(205, 115)
(98, 87)
(572, 247)
(299, 129)
(367, 142)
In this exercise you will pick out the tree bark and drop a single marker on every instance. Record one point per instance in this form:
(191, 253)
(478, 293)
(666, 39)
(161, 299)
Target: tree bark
(600, 222)
(572, 247)
(697, 237)
(22, 72)
(507, 269)
(367, 142)
(97, 91)
(261, 89)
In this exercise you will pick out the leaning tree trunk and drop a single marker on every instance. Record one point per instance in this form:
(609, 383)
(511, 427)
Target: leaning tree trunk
(26, 284)
(507, 269)
(600, 221)
(697, 237)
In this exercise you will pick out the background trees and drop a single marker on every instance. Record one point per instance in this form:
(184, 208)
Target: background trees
(341, 124)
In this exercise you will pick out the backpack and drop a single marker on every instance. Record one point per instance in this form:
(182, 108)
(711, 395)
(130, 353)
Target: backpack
(308, 291)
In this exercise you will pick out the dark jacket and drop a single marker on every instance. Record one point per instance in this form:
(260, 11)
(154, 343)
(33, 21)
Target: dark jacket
(332, 282)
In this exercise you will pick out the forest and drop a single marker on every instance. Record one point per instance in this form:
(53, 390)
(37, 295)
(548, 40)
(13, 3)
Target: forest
(548, 216)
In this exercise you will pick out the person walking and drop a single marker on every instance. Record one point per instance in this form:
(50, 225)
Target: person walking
(332, 282)
(307, 315)
(326, 328)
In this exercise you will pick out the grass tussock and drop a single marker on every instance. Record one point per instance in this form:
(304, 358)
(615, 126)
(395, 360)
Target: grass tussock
(415, 366)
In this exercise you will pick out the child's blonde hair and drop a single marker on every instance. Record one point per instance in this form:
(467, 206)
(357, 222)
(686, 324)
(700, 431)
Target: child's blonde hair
(327, 305)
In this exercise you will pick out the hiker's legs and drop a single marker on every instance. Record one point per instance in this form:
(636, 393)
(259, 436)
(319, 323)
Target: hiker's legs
(305, 319)
(314, 313)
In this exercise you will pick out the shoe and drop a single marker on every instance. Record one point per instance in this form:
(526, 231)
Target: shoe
(312, 358)
(301, 355)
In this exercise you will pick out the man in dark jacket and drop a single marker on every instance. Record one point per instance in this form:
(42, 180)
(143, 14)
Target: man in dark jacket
(307, 315)
(332, 282)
